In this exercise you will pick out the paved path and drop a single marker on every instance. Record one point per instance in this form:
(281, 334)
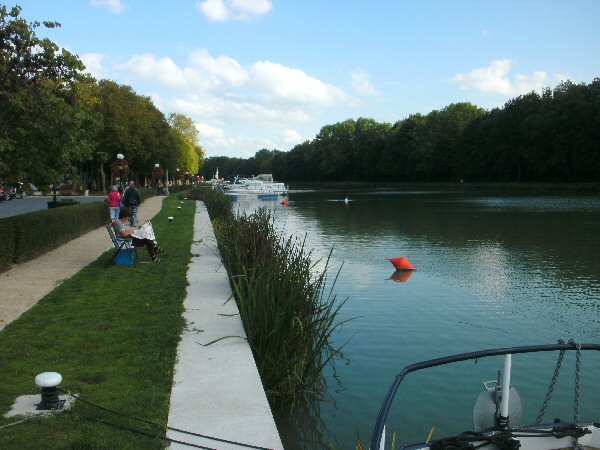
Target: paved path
(23, 285)
(217, 390)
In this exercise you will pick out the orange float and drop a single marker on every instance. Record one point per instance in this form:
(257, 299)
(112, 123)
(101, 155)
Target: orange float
(401, 263)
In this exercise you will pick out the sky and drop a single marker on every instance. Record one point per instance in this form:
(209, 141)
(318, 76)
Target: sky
(256, 74)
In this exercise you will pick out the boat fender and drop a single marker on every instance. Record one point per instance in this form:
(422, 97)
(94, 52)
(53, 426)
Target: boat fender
(487, 408)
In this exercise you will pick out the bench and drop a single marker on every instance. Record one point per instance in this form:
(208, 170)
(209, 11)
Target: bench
(125, 253)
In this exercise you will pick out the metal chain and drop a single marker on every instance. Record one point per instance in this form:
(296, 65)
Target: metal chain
(576, 445)
(552, 385)
(577, 377)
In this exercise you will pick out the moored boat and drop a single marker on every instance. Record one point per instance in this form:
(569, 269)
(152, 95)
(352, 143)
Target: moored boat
(497, 410)
(261, 184)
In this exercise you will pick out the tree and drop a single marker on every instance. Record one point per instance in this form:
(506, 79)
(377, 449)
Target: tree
(45, 126)
(132, 125)
(191, 154)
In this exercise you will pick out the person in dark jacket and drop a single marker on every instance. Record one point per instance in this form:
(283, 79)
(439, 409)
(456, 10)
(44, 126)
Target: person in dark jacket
(132, 201)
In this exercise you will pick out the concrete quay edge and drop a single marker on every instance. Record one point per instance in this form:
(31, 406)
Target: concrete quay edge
(217, 391)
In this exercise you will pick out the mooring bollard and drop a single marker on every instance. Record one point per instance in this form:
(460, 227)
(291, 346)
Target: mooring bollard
(49, 382)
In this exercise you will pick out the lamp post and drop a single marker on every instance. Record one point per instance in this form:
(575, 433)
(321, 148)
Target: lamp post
(120, 158)
(120, 168)
(157, 174)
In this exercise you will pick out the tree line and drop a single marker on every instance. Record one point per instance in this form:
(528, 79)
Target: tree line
(549, 137)
(55, 120)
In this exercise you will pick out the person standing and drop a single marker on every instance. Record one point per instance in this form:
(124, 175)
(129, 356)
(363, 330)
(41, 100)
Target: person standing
(114, 203)
(132, 200)
(120, 191)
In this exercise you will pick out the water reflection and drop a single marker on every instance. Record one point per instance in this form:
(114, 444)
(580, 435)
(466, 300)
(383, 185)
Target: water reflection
(494, 271)
(303, 429)
(401, 276)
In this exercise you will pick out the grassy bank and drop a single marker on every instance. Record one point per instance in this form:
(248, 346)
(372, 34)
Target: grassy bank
(112, 333)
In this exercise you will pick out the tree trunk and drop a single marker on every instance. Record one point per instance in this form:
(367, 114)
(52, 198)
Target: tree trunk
(103, 179)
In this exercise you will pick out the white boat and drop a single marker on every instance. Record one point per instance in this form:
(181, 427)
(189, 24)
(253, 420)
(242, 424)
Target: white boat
(259, 185)
(497, 409)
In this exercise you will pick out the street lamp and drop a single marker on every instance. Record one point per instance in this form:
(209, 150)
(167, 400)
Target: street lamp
(157, 174)
(120, 168)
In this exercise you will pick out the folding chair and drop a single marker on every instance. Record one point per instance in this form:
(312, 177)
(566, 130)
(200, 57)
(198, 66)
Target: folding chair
(125, 252)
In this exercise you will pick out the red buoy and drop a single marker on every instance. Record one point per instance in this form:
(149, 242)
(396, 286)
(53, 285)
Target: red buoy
(401, 263)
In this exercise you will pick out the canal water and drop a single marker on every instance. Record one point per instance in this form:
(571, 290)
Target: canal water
(495, 269)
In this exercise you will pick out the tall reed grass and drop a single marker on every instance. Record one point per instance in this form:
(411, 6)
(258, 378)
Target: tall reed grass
(217, 204)
(287, 315)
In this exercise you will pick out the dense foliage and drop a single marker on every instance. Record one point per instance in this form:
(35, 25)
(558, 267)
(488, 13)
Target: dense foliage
(552, 137)
(55, 120)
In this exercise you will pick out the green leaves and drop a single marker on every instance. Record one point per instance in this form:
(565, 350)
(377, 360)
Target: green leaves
(44, 130)
(55, 118)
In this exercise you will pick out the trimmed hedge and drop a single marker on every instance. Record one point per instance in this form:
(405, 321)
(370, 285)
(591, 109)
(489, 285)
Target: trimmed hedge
(145, 192)
(36, 233)
(29, 235)
(7, 245)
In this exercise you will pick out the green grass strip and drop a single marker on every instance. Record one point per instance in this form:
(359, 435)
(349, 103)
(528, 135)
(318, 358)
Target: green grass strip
(112, 332)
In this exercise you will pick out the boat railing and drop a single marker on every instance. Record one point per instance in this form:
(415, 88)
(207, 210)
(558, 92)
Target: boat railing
(387, 402)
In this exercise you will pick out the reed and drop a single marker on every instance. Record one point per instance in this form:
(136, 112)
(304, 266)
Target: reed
(287, 315)
(217, 204)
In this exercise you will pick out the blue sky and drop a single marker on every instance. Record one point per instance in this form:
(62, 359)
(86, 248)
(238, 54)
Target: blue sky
(269, 74)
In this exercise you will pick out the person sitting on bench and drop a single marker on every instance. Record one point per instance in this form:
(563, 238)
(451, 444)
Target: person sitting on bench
(125, 231)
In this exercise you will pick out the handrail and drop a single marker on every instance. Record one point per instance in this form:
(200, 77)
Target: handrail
(387, 402)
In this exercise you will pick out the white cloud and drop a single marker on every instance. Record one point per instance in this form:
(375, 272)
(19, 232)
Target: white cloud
(147, 67)
(225, 77)
(361, 81)
(284, 83)
(292, 137)
(228, 101)
(224, 10)
(115, 6)
(222, 110)
(241, 145)
(495, 79)
(208, 131)
(214, 10)
(202, 64)
(93, 64)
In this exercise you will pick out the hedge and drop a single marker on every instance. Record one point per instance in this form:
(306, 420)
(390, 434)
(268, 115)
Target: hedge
(7, 245)
(33, 234)
(27, 236)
